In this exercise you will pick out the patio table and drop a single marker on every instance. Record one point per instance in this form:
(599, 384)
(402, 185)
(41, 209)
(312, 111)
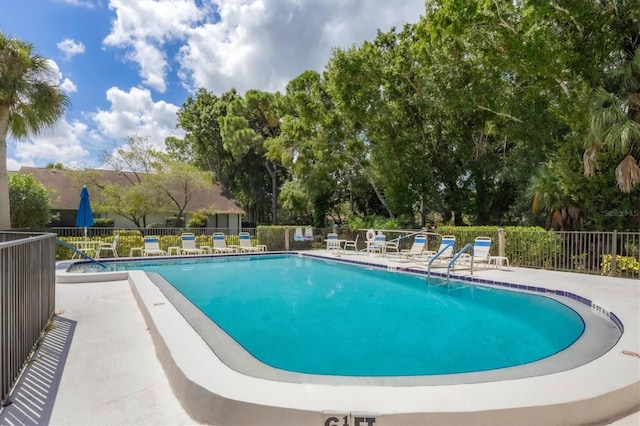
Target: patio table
(87, 247)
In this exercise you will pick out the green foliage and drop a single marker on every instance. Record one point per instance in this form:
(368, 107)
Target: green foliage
(103, 223)
(626, 266)
(272, 236)
(199, 219)
(29, 200)
(524, 246)
(174, 222)
(436, 119)
(29, 102)
(354, 223)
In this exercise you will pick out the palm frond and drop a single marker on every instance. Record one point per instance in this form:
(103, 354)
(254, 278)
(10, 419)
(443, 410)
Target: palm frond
(622, 136)
(590, 161)
(628, 174)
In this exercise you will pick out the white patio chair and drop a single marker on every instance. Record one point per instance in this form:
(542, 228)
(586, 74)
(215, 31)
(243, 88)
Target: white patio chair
(333, 243)
(189, 244)
(245, 243)
(220, 244)
(108, 247)
(152, 246)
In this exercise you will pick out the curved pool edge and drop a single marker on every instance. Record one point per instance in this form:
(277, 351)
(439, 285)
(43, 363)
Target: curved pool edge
(601, 390)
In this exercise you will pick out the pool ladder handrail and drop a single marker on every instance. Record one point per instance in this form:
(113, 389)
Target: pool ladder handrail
(457, 255)
(437, 255)
(80, 253)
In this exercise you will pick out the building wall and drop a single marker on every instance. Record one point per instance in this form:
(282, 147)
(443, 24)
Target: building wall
(233, 222)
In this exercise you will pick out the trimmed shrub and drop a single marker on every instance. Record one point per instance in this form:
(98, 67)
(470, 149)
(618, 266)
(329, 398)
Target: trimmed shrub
(199, 219)
(103, 223)
(626, 266)
(524, 246)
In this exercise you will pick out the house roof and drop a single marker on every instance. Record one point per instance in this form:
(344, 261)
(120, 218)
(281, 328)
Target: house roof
(68, 183)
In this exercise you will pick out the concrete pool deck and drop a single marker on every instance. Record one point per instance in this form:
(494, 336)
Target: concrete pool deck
(113, 374)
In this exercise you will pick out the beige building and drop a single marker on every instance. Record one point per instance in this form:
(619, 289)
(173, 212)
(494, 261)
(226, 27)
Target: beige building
(66, 186)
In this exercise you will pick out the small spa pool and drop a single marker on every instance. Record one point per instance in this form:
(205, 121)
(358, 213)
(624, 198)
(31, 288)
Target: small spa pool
(299, 314)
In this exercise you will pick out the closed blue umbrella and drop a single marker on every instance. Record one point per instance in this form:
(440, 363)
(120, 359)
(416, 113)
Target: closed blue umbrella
(85, 215)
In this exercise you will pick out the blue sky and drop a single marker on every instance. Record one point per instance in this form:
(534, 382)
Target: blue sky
(129, 65)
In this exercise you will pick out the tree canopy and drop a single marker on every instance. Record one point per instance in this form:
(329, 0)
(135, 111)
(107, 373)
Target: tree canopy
(483, 112)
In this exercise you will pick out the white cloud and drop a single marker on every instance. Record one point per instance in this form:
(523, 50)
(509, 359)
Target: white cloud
(70, 48)
(246, 44)
(13, 164)
(55, 77)
(144, 27)
(89, 4)
(218, 45)
(61, 143)
(134, 113)
(264, 45)
(68, 86)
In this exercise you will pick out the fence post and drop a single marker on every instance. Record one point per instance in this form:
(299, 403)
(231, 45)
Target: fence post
(500, 241)
(286, 238)
(614, 252)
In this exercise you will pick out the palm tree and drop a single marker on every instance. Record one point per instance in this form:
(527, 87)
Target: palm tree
(551, 194)
(614, 124)
(29, 101)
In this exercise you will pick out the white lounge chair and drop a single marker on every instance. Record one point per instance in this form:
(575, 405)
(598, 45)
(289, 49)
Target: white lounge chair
(108, 247)
(245, 243)
(445, 252)
(308, 234)
(417, 248)
(481, 249)
(152, 246)
(189, 244)
(220, 244)
(333, 243)
(298, 235)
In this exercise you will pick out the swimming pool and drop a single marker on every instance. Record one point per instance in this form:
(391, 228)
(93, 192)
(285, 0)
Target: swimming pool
(226, 385)
(318, 317)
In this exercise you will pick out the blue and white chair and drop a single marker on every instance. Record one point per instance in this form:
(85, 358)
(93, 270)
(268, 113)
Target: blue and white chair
(189, 244)
(481, 249)
(220, 244)
(378, 244)
(308, 234)
(152, 246)
(245, 243)
(333, 243)
(445, 252)
(417, 248)
(298, 235)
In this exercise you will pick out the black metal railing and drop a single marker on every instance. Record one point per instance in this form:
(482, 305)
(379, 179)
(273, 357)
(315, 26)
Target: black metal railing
(27, 299)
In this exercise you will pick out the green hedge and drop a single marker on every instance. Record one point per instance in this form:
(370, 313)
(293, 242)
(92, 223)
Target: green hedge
(524, 246)
(626, 266)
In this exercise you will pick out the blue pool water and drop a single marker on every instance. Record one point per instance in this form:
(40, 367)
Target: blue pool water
(320, 317)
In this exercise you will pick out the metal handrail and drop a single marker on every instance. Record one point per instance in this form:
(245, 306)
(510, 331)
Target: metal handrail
(81, 254)
(411, 234)
(457, 255)
(437, 255)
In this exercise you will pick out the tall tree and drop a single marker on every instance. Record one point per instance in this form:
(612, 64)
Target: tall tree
(614, 123)
(202, 143)
(30, 204)
(251, 122)
(29, 102)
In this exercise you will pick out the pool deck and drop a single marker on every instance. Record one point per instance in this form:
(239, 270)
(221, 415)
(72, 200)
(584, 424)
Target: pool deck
(114, 374)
